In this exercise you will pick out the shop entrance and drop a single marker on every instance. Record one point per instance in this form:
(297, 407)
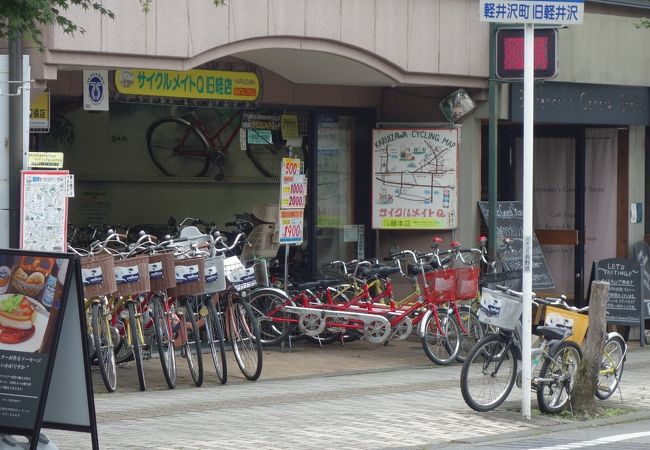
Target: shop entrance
(574, 200)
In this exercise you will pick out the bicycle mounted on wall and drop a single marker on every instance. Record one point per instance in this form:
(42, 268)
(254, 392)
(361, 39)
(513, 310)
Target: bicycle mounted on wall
(183, 146)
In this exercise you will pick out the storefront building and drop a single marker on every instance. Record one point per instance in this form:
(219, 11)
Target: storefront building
(343, 69)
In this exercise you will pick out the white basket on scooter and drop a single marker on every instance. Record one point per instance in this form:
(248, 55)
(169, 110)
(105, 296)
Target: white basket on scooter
(238, 276)
(499, 309)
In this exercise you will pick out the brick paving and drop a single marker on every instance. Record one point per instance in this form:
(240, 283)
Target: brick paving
(359, 396)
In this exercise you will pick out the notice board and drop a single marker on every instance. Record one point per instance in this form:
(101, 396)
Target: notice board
(510, 224)
(625, 299)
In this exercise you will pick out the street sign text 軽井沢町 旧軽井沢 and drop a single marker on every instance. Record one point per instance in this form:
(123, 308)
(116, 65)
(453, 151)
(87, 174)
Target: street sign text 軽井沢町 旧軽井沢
(560, 12)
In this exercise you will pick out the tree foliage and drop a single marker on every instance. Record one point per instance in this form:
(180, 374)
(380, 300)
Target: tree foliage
(28, 17)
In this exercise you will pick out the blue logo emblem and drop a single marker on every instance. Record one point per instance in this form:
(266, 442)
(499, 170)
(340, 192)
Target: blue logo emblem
(96, 88)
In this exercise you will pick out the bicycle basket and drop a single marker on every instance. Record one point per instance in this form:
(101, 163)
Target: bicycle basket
(238, 276)
(467, 282)
(97, 275)
(442, 284)
(132, 275)
(499, 309)
(188, 273)
(570, 322)
(215, 278)
(161, 271)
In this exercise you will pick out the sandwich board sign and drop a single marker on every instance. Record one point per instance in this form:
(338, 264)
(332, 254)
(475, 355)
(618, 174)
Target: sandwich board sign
(45, 378)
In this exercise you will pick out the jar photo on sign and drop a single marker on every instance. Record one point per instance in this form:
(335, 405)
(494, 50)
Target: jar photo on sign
(5, 272)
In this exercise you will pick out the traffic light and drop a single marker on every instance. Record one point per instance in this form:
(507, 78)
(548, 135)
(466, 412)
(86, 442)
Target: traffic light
(510, 53)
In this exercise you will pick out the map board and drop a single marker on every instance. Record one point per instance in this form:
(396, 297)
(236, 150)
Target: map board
(510, 224)
(44, 209)
(414, 178)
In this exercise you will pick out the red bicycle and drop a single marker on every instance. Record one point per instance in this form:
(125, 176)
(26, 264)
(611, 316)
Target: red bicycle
(185, 147)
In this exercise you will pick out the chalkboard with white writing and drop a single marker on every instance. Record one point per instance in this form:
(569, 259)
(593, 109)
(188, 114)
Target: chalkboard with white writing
(510, 224)
(625, 300)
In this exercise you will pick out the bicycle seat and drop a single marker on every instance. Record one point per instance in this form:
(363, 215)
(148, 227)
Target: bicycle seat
(382, 271)
(551, 333)
(314, 284)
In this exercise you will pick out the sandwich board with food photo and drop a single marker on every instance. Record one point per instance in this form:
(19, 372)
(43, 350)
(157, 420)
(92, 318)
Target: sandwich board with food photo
(35, 292)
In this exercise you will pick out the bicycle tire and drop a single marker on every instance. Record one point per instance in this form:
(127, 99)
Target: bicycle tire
(611, 367)
(192, 343)
(561, 366)
(214, 330)
(484, 388)
(164, 341)
(166, 136)
(104, 349)
(268, 157)
(245, 339)
(262, 301)
(441, 348)
(136, 345)
(473, 333)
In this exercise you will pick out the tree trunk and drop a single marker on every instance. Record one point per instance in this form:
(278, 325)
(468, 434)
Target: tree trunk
(584, 392)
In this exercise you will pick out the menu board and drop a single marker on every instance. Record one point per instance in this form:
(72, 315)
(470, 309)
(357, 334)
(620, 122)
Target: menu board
(624, 301)
(510, 224)
(34, 296)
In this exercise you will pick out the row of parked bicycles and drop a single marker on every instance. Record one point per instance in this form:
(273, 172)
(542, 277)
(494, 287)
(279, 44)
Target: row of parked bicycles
(183, 294)
(176, 294)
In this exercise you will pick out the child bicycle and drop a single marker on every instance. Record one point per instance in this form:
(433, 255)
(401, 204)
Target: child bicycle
(491, 368)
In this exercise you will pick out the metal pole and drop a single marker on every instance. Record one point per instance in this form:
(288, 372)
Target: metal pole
(15, 136)
(492, 145)
(527, 279)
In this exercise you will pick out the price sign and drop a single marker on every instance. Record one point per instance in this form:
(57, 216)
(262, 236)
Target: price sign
(291, 222)
(293, 192)
(291, 166)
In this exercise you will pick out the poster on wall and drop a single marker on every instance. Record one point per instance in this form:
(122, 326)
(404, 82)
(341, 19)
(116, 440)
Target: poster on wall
(414, 178)
(95, 90)
(44, 209)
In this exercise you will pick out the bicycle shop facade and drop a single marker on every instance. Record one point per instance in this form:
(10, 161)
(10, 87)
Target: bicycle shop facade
(358, 77)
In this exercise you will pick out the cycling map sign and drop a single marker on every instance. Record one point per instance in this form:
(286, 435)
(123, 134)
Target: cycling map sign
(414, 178)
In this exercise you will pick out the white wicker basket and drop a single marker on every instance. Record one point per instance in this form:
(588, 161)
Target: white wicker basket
(238, 276)
(499, 309)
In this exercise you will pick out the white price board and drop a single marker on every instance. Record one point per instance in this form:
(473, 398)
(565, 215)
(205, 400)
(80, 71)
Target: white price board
(293, 192)
(44, 209)
(291, 166)
(291, 226)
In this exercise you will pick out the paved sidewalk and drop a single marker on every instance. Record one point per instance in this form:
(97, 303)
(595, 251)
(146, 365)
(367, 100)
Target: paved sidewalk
(357, 396)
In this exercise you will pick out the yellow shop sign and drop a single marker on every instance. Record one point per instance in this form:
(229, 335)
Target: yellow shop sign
(197, 84)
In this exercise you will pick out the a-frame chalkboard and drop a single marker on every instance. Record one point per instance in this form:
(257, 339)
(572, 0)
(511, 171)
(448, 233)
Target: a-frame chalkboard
(510, 223)
(625, 299)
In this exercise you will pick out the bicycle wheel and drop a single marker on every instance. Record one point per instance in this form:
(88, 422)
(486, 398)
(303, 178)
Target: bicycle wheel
(489, 373)
(191, 348)
(245, 339)
(268, 157)
(164, 341)
(136, 344)
(441, 344)
(558, 372)
(214, 330)
(268, 301)
(177, 148)
(104, 350)
(611, 367)
(471, 330)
